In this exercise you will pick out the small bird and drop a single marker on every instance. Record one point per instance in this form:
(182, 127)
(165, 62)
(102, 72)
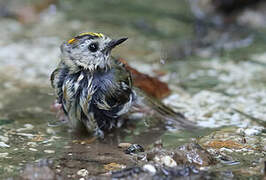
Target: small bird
(95, 89)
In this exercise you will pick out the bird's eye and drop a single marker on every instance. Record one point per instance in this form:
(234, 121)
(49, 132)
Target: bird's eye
(93, 47)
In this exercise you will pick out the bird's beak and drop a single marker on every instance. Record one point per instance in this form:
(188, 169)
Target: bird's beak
(114, 43)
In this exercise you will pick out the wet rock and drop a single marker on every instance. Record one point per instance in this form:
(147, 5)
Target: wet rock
(49, 151)
(234, 140)
(253, 17)
(124, 145)
(134, 148)
(154, 172)
(29, 57)
(30, 136)
(190, 154)
(33, 149)
(165, 160)
(39, 171)
(128, 172)
(32, 144)
(158, 144)
(178, 171)
(193, 154)
(149, 168)
(83, 172)
(2, 155)
(26, 127)
(4, 138)
(2, 144)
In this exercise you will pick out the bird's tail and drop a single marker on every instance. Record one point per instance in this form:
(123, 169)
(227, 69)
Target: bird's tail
(163, 112)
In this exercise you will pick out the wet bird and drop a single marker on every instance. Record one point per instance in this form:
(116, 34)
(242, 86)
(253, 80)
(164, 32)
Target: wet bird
(96, 90)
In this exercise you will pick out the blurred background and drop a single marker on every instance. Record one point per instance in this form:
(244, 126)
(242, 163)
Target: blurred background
(206, 58)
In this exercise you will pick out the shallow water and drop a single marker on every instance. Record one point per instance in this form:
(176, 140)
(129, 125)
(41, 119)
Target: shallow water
(220, 89)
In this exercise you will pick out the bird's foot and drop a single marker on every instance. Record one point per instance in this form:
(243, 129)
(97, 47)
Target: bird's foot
(99, 133)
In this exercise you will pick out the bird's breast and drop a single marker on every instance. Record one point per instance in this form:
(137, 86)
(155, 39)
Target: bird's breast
(104, 82)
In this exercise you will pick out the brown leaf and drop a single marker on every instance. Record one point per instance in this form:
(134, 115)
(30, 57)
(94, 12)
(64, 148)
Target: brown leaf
(113, 166)
(38, 138)
(151, 85)
(226, 144)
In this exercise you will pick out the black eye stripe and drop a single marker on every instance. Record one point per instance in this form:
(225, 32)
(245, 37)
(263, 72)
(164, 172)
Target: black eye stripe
(93, 47)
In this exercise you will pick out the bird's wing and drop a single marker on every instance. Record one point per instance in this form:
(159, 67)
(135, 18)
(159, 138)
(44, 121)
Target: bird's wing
(53, 77)
(116, 96)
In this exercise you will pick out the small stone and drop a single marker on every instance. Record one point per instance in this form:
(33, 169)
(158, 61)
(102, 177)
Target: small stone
(2, 155)
(250, 132)
(32, 149)
(32, 144)
(4, 138)
(193, 153)
(38, 138)
(50, 131)
(26, 127)
(29, 126)
(165, 160)
(150, 168)
(226, 149)
(36, 172)
(158, 144)
(49, 151)
(49, 144)
(2, 144)
(134, 148)
(168, 161)
(26, 135)
(83, 172)
(124, 145)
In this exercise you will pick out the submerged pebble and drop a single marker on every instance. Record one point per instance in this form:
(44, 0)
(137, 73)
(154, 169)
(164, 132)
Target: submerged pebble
(134, 148)
(32, 149)
(124, 145)
(83, 172)
(149, 168)
(37, 173)
(2, 155)
(4, 138)
(26, 127)
(49, 151)
(2, 144)
(193, 153)
(32, 144)
(26, 135)
(165, 160)
(25, 51)
(128, 172)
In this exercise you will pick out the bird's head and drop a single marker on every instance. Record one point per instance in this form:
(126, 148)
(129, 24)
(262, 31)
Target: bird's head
(88, 51)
